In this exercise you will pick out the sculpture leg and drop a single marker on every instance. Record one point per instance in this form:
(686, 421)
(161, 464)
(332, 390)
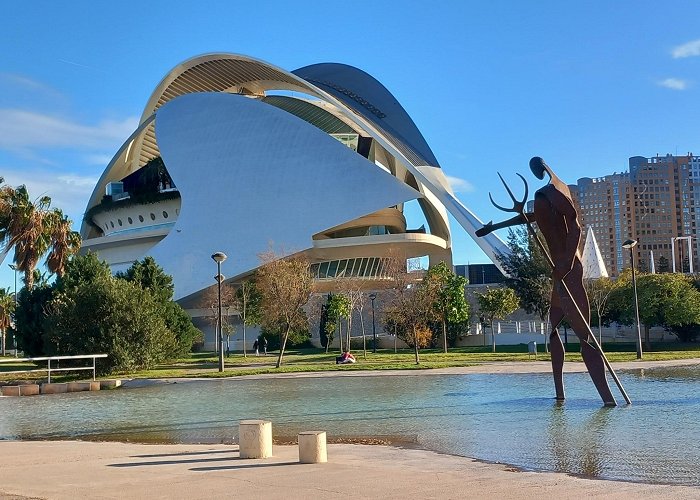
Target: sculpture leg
(596, 368)
(556, 350)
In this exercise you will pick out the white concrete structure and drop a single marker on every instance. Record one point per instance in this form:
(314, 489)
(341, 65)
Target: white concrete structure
(592, 260)
(312, 447)
(319, 160)
(255, 439)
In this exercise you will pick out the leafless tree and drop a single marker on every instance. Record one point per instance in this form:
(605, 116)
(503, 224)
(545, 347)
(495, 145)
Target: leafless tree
(599, 291)
(210, 303)
(285, 286)
(411, 302)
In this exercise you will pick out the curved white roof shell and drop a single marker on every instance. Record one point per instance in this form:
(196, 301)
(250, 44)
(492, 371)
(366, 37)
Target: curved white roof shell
(273, 177)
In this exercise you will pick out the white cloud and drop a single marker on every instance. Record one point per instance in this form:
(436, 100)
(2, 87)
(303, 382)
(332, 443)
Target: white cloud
(21, 129)
(460, 185)
(674, 84)
(689, 49)
(69, 192)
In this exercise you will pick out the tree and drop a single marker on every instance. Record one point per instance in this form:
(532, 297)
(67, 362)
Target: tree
(31, 317)
(497, 303)
(411, 305)
(210, 303)
(337, 306)
(32, 229)
(663, 266)
(450, 304)
(64, 242)
(248, 302)
(285, 286)
(528, 272)
(669, 300)
(150, 277)
(113, 316)
(599, 291)
(7, 307)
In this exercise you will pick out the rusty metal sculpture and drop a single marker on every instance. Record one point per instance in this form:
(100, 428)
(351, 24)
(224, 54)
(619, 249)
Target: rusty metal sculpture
(556, 218)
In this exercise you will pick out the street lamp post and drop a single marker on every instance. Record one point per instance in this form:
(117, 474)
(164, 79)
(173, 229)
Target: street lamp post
(373, 296)
(631, 244)
(219, 257)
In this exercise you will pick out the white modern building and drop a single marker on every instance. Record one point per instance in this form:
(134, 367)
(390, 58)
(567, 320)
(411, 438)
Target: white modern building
(233, 154)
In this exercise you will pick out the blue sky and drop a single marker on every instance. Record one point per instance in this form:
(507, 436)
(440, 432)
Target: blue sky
(583, 84)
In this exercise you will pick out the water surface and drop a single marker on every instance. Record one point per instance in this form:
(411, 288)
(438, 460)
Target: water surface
(495, 417)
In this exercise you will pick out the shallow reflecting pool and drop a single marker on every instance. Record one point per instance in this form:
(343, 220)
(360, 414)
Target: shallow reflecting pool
(499, 418)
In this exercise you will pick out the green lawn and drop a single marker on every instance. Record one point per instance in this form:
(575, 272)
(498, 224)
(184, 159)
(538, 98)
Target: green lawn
(309, 360)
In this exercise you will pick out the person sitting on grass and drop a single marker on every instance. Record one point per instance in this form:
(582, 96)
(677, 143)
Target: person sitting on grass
(345, 359)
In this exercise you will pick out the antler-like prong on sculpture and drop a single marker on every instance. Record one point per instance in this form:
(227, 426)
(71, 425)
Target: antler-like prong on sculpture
(518, 206)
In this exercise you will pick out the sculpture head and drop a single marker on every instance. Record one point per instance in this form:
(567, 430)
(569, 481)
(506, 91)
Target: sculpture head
(539, 167)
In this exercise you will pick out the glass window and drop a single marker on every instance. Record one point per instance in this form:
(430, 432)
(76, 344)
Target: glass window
(323, 270)
(140, 218)
(165, 214)
(332, 269)
(131, 221)
(153, 216)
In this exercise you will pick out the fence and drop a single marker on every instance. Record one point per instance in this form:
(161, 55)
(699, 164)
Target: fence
(49, 359)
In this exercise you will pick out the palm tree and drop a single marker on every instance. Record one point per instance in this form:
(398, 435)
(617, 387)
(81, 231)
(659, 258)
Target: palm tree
(32, 229)
(7, 305)
(64, 241)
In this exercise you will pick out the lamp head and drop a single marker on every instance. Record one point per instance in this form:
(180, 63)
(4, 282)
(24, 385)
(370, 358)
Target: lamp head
(372, 296)
(629, 243)
(219, 257)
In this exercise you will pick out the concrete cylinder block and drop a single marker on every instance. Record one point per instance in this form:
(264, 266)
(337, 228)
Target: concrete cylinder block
(312, 447)
(54, 388)
(255, 438)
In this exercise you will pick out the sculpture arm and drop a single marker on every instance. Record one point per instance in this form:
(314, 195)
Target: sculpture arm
(523, 218)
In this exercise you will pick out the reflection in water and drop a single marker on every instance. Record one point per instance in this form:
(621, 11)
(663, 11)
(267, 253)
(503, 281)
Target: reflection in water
(500, 418)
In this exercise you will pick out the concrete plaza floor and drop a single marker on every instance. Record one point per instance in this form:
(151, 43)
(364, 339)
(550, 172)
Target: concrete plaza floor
(73, 469)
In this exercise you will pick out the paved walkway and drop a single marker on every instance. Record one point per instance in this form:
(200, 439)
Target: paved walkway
(70, 470)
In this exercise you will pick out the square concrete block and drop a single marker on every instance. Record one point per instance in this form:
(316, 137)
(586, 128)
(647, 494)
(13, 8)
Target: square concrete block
(78, 386)
(29, 390)
(110, 384)
(312, 447)
(95, 385)
(10, 390)
(255, 438)
(54, 388)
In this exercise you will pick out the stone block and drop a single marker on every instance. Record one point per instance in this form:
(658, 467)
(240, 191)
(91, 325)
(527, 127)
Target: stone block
(54, 388)
(29, 390)
(95, 385)
(10, 390)
(78, 386)
(255, 438)
(312, 447)
(110, 384)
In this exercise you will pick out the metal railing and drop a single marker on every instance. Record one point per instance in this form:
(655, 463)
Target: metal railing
(49, 359)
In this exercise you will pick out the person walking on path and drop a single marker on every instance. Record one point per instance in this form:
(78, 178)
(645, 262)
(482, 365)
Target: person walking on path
(256, 346)
(264, 343)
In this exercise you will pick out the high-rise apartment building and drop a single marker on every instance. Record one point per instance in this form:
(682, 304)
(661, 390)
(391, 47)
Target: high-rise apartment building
(655, 204)
(602, 203)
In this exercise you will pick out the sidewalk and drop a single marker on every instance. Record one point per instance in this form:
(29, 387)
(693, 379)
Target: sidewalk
(73, 469)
